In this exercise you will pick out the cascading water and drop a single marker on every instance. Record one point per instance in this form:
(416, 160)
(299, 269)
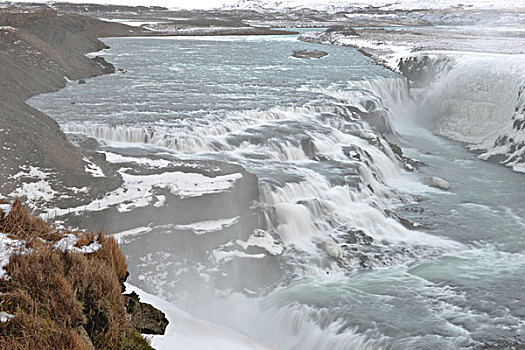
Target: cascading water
(318, 251)
(479, 101)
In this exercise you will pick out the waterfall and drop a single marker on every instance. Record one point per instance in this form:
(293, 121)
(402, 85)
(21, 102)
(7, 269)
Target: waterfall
(327, 176)
(479, 101)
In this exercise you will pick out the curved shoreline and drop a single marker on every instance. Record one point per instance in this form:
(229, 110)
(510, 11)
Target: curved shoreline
(40, 52)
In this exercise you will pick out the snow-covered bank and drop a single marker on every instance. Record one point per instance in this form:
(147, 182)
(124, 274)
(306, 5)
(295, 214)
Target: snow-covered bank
(389, 46)
(187, 332)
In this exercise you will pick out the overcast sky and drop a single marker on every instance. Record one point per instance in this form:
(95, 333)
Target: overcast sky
(166, 3)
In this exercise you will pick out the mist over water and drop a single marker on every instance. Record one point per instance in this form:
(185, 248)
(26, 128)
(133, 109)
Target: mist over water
(310, 254)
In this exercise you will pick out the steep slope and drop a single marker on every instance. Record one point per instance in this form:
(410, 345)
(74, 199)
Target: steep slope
(39, 52)
(63, 289)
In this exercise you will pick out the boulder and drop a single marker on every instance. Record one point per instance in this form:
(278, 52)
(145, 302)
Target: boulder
(107, 68)
(438, 182)
(368, 136)
(145, 318)
(354, 236)
(309, 54)
(81, 81)
(81, 331)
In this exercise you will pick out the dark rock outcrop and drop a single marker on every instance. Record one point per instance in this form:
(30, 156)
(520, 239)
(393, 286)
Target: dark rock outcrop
(309, 54)
(423, 69)
(409, 163)
(107, 68)
(145, 318)
(346, 31)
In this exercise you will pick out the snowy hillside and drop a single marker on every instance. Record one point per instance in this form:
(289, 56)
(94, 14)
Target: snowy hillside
(338, 5)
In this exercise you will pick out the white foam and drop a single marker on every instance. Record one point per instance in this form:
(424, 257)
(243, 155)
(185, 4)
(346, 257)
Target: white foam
(295, 225)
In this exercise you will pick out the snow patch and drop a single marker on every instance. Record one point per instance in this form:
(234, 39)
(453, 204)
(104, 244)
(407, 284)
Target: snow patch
(132, 232)
(92, 168)
(130, 22)
(33, 191)
(4, 317)
(138, 190)
(520, 168)
(161, 200)
(203, 227)
(263, 240)
(67, 244)
(32, 172)
(389, 54)
(8, 29)
(340, 5)
(221, 255)
(154, 163)
(6, 209)
(8, 247)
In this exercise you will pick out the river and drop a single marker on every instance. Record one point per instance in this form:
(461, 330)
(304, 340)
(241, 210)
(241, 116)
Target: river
(317, 259)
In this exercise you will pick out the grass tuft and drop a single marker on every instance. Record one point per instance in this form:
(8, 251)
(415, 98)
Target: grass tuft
(58, 296)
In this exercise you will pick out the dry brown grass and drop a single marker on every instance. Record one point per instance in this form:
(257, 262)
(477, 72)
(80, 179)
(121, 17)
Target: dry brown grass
(20, 224)
(85, 239)
(53, 293)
